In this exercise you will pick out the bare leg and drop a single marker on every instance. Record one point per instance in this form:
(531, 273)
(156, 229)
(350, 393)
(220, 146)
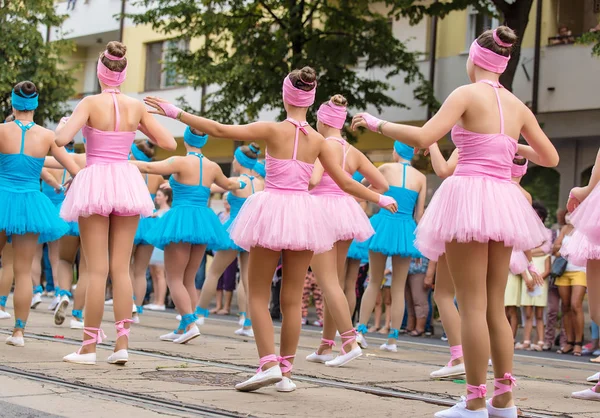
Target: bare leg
(25, 248)
(244, 259)
(565, 301)
(7, 276)
(501, 344)
(593, 282)
(444, 299)
(577, 295)
(352, 267)
(53, 255)
(528, 325)
(513, 319)
(539, 317)
(159, 285)
(177, 257)
(378, 312)
(221, 260)
(68, 247)
(468, 264)
(295, 265)
(94, 232)
(189, 276)
(82, 284)
(419, 298)
(261, 268)
(400, 267)
(141, 259)
(411, 320)
(377, 264)
(386, 299)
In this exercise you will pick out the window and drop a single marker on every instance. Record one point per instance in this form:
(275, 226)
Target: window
(159, 74)
(477, 23)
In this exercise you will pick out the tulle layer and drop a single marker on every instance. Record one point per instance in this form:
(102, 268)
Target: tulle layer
(104, 189)
(394, 235)
(197, 225)
(518, 262)
(478, 209)
(227, 244)
(346, 218)
(586, 218)
(578, 249)
(283, 221)
(359, 251)
(144, 227)
(73, 230)
(30, 212)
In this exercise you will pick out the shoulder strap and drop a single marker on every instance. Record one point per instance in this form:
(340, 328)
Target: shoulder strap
(404, 175)
(345, 148)
(300, 126)
(24, 129)
(496, 87)
(64, 176)
(251, 178)
(114, 93)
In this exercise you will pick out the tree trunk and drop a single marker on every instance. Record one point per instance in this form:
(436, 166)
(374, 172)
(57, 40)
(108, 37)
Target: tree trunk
(296, 9)
(516, 17)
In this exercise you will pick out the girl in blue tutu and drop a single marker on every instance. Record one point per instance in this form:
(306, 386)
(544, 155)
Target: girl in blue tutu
(27, 216)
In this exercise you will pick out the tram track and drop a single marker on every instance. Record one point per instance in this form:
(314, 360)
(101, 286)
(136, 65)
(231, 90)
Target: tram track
(377, 390)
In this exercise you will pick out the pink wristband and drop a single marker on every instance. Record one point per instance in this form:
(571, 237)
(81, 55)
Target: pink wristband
(385, 201)
(372, 121)
(531, 268)
(170, 110)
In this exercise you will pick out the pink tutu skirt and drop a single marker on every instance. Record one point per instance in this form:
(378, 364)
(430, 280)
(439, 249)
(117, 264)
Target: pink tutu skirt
(283, 221)
(105, 189)
(578, 249)
(518, 262)
(346, 218)
(478, 209)
(586, 218)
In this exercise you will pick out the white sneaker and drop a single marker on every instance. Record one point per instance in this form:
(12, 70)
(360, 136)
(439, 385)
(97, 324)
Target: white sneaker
(178, 317)
(320, 358)
(153, 307)
(200, 322)
(392, 348)
(594, 378)
(76, 358)
(108, 302)
(244, 332)
(490, 362)
(586, 395)
(188, 335)
(285, 385)
(510, 412)
(343, 359)
(261, 379)
(54, 303)
(449, 371)
(75, 324)
(171, 336)
(15, 341)
(120, 357)
(361, 341)
(36, 300)
(60, 312)
(241, 320)
(134, 309)
(5, 315)
(460, 411)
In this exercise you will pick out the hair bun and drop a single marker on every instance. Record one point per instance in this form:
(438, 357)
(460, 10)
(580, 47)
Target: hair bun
(116, 48)
(339, 100)
(308, 75)
(506, 35)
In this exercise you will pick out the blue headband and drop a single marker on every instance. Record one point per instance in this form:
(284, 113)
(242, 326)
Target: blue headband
(404, 151)
(243, 159)
(139, 155)
(358, 177)
(194, 140)
(254, 149)
(24, 103)
(260, 169)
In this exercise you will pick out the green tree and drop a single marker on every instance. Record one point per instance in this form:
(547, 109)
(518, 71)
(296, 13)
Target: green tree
(591, 38)
(25, 56)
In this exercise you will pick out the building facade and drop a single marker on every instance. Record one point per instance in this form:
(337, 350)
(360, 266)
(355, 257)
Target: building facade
(569, 97)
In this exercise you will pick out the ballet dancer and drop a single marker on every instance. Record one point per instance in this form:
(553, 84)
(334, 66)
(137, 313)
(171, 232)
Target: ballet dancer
(349, 222)
(477, 214)
(142, 252)
(108, 197)
(185, 231)
(394, 237)
(244, 162)
(30, 217)
(283, 218)
(358, 255)
(583, 249)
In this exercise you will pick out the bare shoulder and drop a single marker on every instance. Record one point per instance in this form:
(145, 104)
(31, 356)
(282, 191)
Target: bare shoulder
(417, 173)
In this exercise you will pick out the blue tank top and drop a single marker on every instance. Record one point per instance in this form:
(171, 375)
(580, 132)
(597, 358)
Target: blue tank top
(20, 172)
(236, 202)
(406, 198)
(188, 195)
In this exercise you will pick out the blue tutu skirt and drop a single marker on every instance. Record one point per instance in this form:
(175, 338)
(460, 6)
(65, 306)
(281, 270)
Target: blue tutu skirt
(143, 231)
(73, 230)
(228, 244)
(359, 251)
(394, 235)
(197, 225)
(30, 212)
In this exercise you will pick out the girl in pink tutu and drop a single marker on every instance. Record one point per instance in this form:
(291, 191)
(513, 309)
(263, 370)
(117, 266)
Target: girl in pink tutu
(282, 218)
(348, 222)
(583, 248)
(108, 197)
(477, 215)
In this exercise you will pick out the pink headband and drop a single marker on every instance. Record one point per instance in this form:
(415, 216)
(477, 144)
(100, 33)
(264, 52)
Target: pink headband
(333, 115)
(499, 41)
(297, 97)
(487, 59)
(518, 171)
(107, 76)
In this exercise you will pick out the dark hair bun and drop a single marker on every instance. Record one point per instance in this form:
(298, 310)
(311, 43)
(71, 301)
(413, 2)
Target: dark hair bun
(506, 34)
(116, 48)
(339, 100)
(25, 89)
(304, 79)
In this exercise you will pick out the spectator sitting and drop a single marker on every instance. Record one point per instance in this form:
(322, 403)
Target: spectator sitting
(564, 36)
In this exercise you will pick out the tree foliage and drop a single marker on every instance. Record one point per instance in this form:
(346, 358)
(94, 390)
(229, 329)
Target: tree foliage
(25, 56)
(591, 38)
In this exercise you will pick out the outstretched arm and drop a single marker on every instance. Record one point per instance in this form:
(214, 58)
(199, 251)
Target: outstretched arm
(443, 169)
